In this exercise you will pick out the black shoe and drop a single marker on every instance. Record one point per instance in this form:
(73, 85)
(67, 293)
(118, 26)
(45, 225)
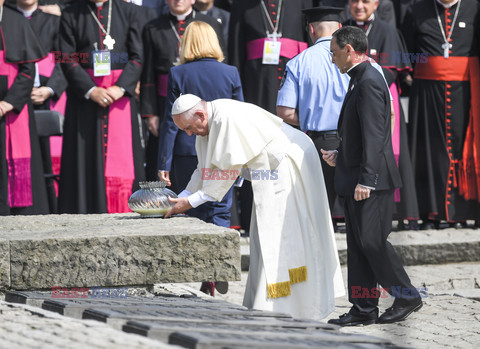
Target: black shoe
(339, 228)
(354, 320)
(221, 286)
(429, 225)
(401, 226)
(412, 225)
(477, 224)
(459, 225)
(399, 312)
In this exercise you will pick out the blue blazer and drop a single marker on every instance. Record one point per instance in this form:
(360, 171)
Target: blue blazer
(206, 78)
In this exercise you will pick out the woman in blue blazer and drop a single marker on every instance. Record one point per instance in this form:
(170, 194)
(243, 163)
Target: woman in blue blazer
(200, 73)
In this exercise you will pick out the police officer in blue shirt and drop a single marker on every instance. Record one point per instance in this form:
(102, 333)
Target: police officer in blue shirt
(312, 90)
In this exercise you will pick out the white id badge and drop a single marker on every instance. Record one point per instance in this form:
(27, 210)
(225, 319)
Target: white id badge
(271, 51)
(101, 63)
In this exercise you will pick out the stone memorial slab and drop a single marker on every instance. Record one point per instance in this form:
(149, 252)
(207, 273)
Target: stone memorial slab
(222, 339)
(75, 307)
(34, 298)
(118, 317)
(161, 330)
(41, 252)
(4, 262)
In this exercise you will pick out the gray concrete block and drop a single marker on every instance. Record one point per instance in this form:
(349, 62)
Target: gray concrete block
(161, 330)
(260, 339)
(114, 250)
(118, 317)
(4, 263)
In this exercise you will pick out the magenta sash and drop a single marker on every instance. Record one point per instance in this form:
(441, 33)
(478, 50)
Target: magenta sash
(162, 85)
(396, 130)
(289, 49)
(45, 68)
(119, 167)
(18, 147)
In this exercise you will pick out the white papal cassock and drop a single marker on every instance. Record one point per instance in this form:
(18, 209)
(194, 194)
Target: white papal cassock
(294, 265)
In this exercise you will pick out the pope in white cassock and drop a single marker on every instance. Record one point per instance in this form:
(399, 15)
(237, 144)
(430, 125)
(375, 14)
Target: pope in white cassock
(294, 265)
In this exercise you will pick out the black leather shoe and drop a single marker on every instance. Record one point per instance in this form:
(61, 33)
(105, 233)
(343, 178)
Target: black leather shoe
(412, 225)
(429, 225)
(221, 286)
(399, 312)
(459, 225)
(353, 320)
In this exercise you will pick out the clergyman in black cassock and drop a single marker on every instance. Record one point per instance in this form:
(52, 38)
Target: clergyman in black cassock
(443, 109)
(386, 46)
(365, 176)
(102, 157)
(22, 185)
(249, 26)
(161, 42)
(48, 90)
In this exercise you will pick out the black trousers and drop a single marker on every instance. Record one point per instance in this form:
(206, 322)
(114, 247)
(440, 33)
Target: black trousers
(371, 258)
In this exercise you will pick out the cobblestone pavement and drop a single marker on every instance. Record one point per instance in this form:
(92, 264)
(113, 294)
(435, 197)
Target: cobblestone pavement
(24, 326)
(447, 320)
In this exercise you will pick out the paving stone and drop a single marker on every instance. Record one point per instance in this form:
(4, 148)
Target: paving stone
(221, 339)
(161, 330)
(24, 326)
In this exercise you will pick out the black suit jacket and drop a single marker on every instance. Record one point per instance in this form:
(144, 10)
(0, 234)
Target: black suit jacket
(365, 155)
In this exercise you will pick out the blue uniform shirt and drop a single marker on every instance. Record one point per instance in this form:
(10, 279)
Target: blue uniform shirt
(314, 85)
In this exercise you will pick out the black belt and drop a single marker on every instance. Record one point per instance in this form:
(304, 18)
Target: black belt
(313, 134)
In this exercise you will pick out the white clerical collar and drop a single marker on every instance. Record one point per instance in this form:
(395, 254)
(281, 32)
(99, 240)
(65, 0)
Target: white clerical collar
(181, 17)
(26, 13)
(447, 5)
(371, 18)
(353, 66)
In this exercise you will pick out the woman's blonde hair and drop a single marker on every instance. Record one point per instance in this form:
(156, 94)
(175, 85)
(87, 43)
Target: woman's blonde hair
(200, 41)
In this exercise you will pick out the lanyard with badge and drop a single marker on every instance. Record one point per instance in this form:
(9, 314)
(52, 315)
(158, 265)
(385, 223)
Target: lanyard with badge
(271, 47)
(179, 39)
(102, 58)
(446, 46)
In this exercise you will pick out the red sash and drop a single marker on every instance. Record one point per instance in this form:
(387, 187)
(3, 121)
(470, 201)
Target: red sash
(18, 148)
(119, 167)
(289, 48)
(461, 69)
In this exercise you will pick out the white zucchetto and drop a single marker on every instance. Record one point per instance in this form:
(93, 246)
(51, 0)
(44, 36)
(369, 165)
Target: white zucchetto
(184, 103)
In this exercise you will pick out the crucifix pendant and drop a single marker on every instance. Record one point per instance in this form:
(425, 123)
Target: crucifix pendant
(109, 42)
(446, 47)
(274, 35)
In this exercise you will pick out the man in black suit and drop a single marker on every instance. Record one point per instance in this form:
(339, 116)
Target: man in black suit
(366, 176)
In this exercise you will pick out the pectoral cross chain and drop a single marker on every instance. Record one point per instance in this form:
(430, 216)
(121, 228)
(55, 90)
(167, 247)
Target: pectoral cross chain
(109, 42)
(446, 47)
